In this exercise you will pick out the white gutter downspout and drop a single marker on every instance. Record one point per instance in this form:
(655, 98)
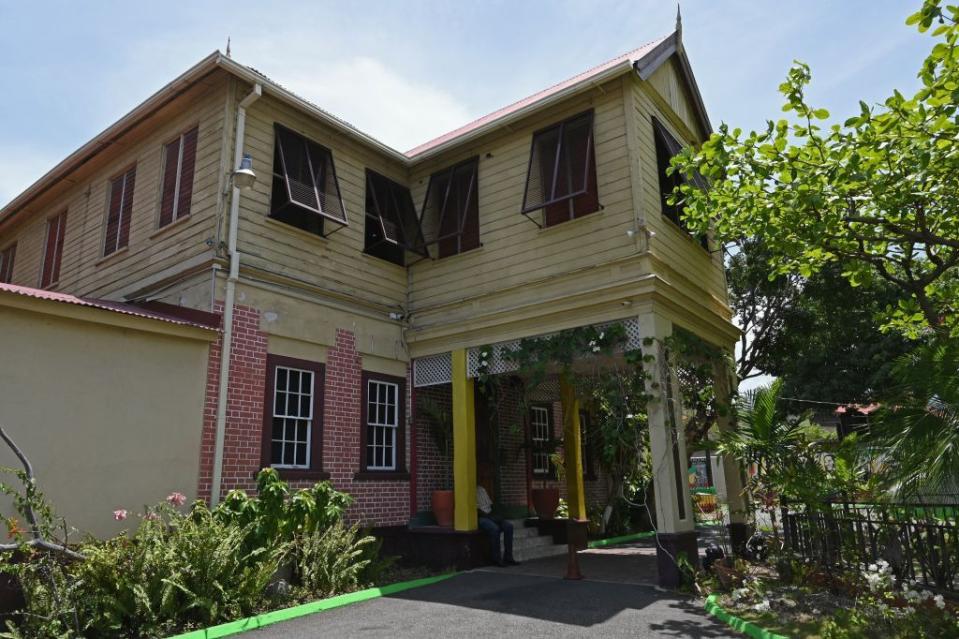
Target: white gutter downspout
(227, 345)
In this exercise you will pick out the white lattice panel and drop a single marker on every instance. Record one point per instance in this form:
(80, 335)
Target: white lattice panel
(432, 370)
(498, 364)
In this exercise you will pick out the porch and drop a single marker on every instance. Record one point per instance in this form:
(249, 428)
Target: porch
(502, 443)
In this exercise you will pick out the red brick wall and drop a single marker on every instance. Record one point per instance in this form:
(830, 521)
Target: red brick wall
(383, 502)
(377, 502)
(244, 419)
(380, 502)
(434, 471)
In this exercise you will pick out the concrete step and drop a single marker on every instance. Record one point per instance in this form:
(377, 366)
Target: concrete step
(533, 542)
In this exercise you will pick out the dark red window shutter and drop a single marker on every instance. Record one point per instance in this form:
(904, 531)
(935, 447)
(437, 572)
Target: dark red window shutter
(562, 171)
(127, 209)
(304, 183)
(6, 264)
(452, 207)
(179, 162)
(666, 148)
(187, 167)
(168, 196)
(119, 211)
(53, 250)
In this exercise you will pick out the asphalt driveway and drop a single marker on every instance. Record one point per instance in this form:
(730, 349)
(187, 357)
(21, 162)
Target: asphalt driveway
(615, 600)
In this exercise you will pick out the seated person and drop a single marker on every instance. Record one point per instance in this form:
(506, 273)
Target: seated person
(493, 526)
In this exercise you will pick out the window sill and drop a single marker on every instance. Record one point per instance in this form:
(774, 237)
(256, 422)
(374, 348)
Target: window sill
(293, 230)
(576, 221)
(381, 475)
(112, 256)
(295, 473)
(175, 223)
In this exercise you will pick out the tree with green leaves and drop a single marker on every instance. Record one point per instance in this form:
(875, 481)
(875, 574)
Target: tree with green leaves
(828, 343)
(877, 194)
(918, 428)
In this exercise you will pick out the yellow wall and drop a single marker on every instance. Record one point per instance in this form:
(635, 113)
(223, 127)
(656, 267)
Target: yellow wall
(337, 264)
(110, 417)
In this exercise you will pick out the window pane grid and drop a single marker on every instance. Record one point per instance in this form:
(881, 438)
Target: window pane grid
(292, 418)
(382, 424)
(539, 433)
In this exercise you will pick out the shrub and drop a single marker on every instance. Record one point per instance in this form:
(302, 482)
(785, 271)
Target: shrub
(334, 560)
(186, 569)
(275, 515)
(175, 571)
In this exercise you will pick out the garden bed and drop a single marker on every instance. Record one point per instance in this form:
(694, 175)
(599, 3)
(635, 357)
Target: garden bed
(796, 599)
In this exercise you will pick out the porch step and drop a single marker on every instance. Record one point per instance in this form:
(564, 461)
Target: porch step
(528, 544)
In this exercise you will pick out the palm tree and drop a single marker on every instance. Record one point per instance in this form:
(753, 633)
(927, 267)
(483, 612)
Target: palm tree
(917, 429)
(766, 440)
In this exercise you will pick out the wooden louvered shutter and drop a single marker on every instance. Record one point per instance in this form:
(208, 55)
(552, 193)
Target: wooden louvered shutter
(171, 161)
(297, 171)
(127, 209)
(113, 216)
(469, 209)
(561, 178)
(53, 250)
(6, 264)
(187, 167)
(178, 165)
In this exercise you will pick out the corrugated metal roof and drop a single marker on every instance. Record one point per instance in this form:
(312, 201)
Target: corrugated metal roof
(631, 57)
(105, 305)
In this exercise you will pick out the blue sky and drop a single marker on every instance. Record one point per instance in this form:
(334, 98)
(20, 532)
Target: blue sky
(407, 73)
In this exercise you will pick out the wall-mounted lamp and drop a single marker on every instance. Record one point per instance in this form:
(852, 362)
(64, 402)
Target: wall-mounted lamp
(244, 177)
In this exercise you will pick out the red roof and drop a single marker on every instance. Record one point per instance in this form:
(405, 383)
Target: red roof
(106, 305)
(863, 409)
(632, 57)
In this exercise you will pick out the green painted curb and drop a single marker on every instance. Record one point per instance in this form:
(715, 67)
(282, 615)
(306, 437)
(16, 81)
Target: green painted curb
(276, 616)
(746, 627)
(601, 543)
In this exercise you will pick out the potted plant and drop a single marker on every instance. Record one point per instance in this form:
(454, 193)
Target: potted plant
(440, 423)
(546, 498)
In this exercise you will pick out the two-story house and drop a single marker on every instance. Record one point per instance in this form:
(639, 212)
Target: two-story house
(353, 278)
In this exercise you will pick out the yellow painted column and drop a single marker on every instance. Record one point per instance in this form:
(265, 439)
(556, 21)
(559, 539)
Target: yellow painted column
(464, 446)
(572, 449)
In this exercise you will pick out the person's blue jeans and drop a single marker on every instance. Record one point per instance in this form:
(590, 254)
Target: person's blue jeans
(493, 528)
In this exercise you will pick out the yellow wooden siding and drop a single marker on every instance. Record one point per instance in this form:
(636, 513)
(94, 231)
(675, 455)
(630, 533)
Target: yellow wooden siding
(514, 251)
(336, 263)
(678, 254)
(671, 87)
(84, 194)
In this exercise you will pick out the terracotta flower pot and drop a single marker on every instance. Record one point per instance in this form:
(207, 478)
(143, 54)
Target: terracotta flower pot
(442, 502)
(545, 502)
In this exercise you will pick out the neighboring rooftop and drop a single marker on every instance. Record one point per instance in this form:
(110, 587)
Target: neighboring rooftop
(105, 305)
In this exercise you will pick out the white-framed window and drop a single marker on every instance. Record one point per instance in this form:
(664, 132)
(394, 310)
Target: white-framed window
(539, 425)
(382, 424)
(292, 418)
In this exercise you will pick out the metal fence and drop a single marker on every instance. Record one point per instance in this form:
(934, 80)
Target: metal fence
(919, 540)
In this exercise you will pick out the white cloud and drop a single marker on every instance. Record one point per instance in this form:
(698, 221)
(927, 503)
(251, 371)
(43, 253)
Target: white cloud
(374, 98)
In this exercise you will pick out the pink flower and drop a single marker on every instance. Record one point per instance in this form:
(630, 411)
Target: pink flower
(177, 499)
(119, 515)
(151, 517)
